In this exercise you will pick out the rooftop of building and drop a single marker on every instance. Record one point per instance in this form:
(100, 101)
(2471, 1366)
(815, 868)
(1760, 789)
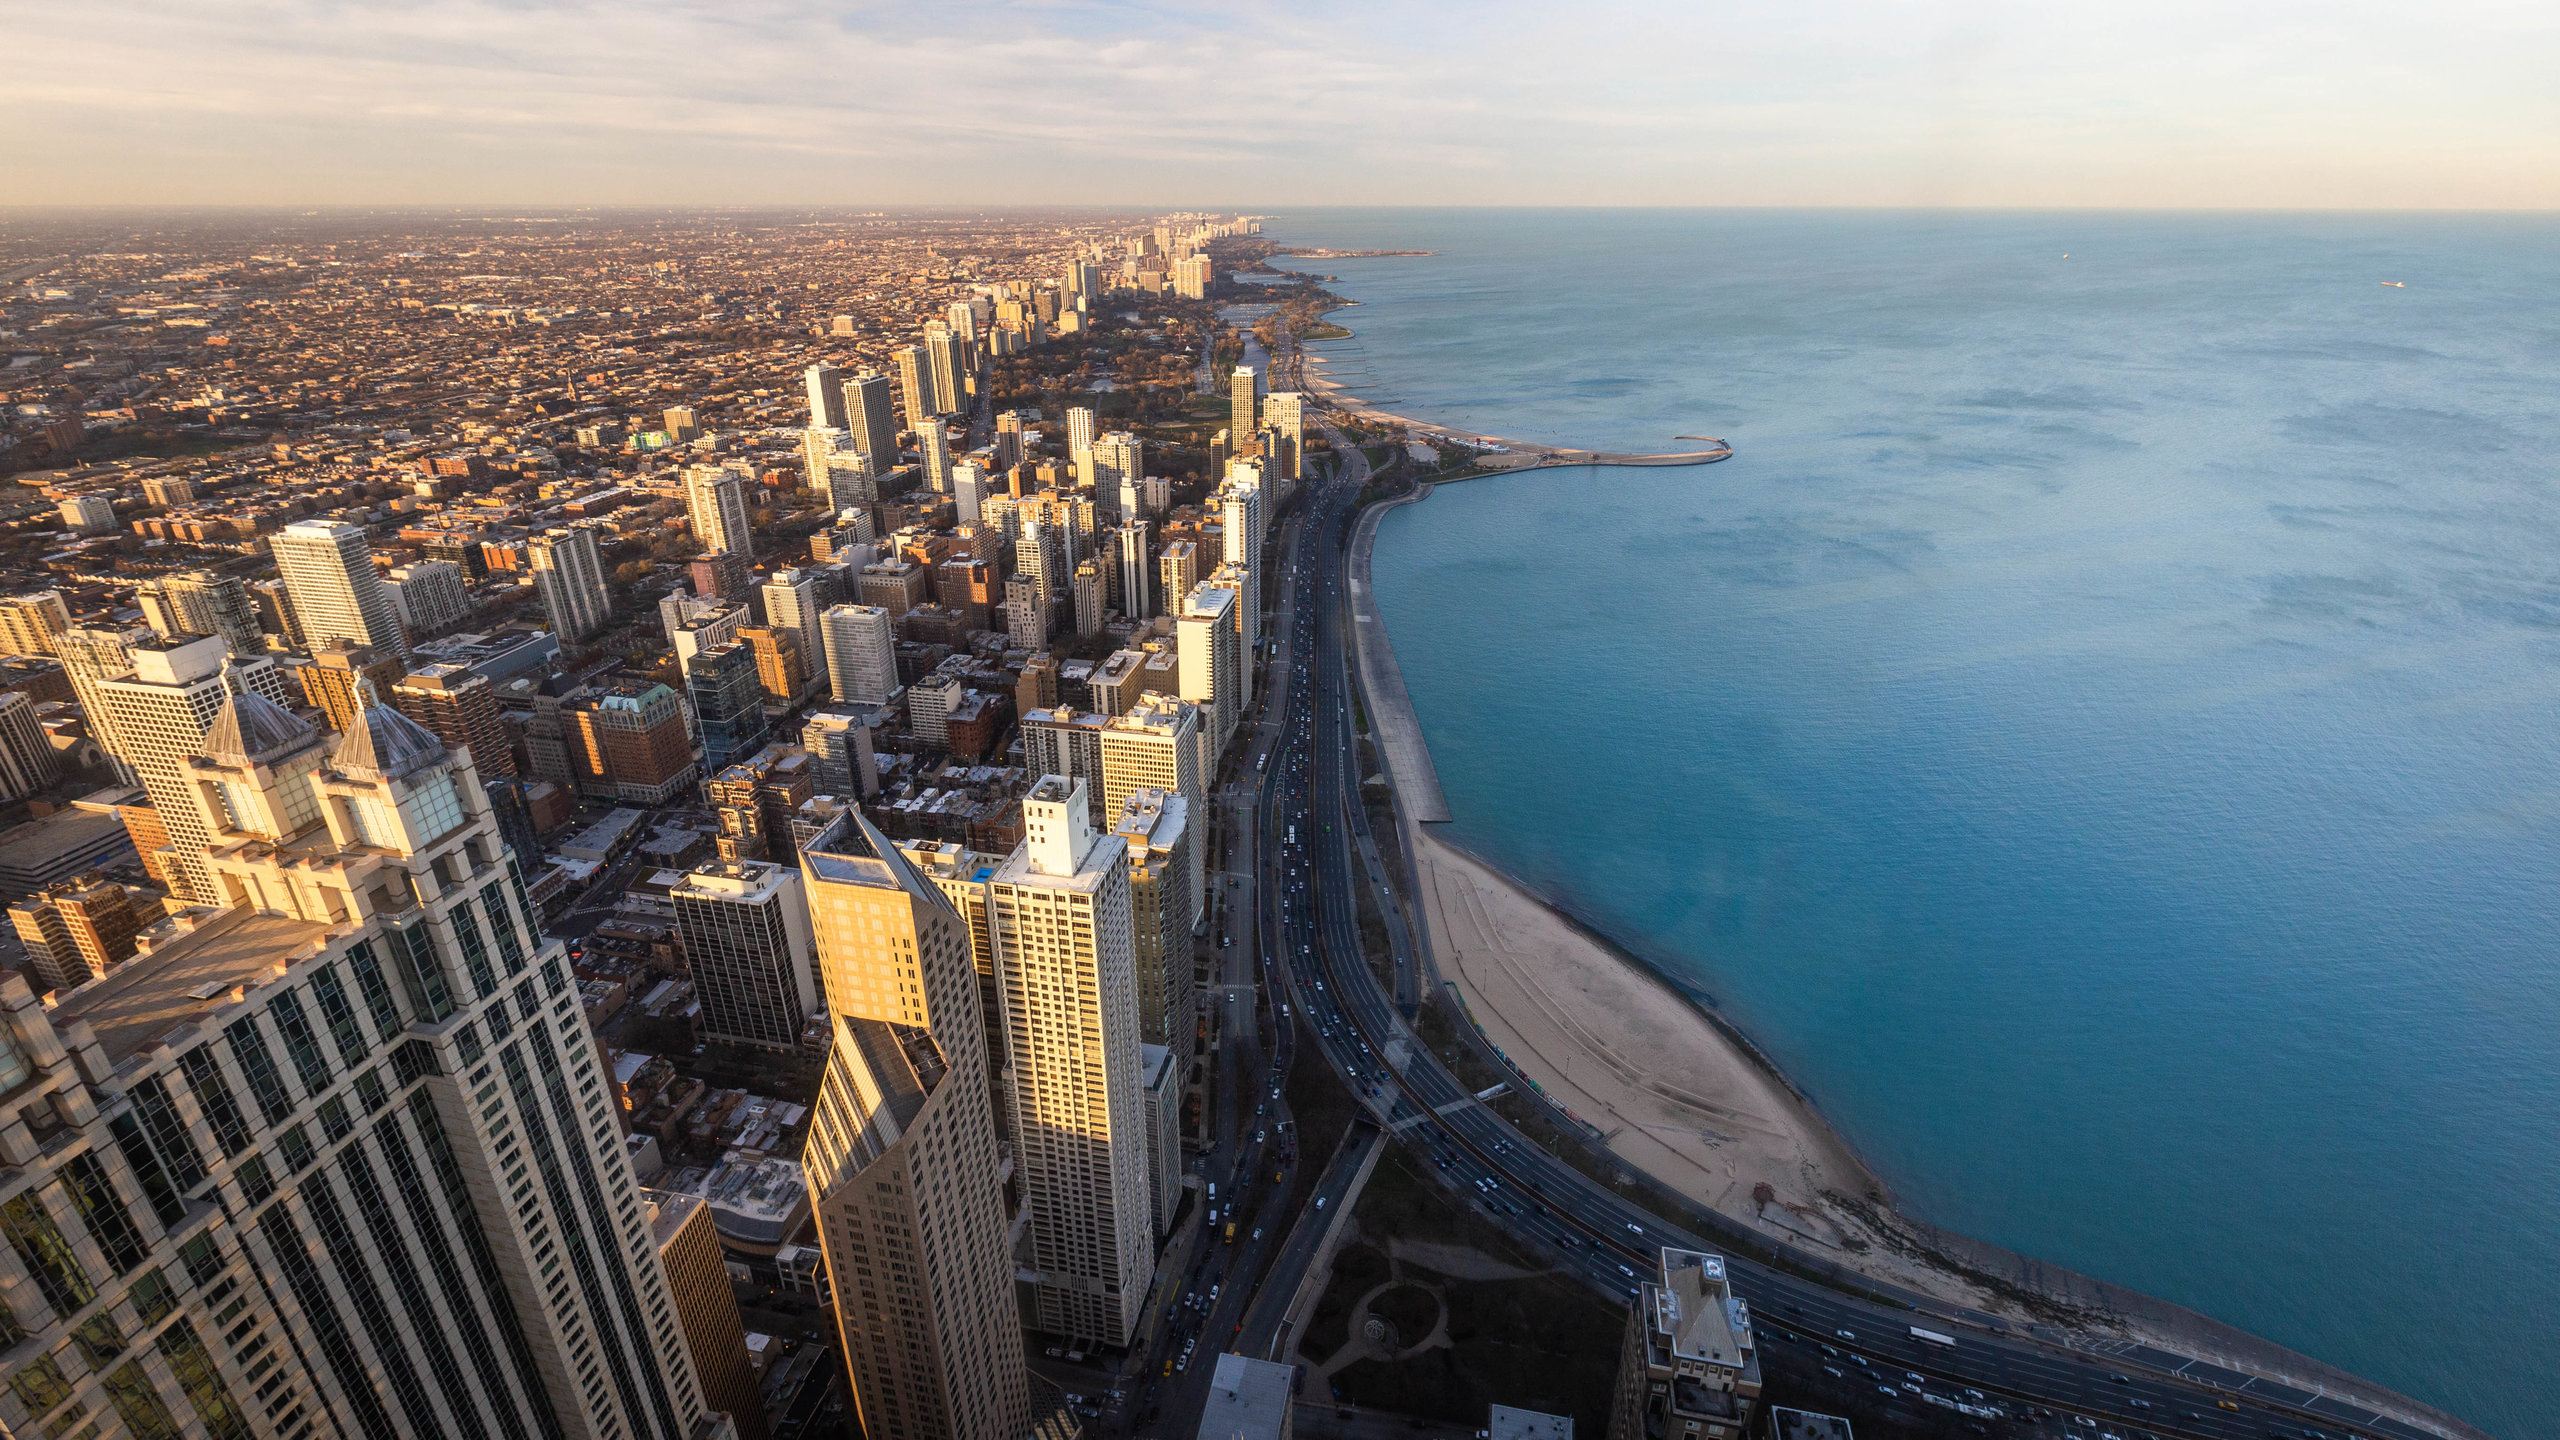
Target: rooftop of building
(185, 972)
(668, 1210)
(1504, 1422)
(1786, 1424)
(1249, 1399)
(731, 880)
(1697, 1313)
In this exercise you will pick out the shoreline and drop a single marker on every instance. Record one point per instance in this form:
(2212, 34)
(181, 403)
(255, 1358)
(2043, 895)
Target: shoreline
(1506, 455)
(1863, 1231)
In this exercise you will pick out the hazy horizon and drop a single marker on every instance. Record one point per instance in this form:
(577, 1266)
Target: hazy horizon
(1971, 105)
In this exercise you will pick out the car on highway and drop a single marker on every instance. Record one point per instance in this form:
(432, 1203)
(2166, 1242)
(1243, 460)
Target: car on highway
(1845, 1335)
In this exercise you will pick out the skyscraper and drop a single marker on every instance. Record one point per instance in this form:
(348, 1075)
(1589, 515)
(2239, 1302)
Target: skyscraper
(161, 707)
(716, 503)
(1040, 557)
(1079, 436)
(1026, 619)
(1156, 825)
(1177, 571)
(779, 668)
(745, 926)
(951, 368)
(569, 570)
(1157, 828)
(1137, 570)
(867, 413)
(1241, 395)
(839, 745)
(1286, 412)
(962, 317)
(969, 489)
(29, 622)
(825, 384)
(455, 704)
(902, 1153)
(706, 1306)
(27, 761)
(77, 930)
(337, 594)
(335, 676)
(627, 743)
(728, 702)
(1245, 504)
(862, 654)
(1691, 1365)
(933, 454)
(1060, 914)
(91, 656)
(1205, 633)
(1119, 470)
(1089, 602)
(793, 601)
(1159, 745)
(915, 385)
(203, 602)
(354, 1117)
(429, 597)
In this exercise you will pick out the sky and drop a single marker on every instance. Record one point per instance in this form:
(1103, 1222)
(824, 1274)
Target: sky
(2169, 103)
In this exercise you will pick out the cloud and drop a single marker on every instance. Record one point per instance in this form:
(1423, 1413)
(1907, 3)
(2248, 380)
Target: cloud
(648, 101)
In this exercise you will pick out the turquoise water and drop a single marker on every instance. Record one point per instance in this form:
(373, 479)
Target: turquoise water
(2098, 734)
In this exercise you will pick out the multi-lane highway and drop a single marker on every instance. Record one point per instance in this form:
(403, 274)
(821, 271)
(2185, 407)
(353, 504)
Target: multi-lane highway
(1310, 863)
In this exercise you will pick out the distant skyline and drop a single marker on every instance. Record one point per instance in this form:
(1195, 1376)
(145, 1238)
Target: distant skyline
(1972, 103)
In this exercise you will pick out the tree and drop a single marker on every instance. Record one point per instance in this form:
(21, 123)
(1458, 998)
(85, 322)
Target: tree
(631, 571)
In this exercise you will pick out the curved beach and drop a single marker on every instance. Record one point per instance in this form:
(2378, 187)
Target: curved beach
(1678, 1093)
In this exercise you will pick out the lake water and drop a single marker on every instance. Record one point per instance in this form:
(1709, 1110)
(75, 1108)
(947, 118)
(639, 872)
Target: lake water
(2101, 734)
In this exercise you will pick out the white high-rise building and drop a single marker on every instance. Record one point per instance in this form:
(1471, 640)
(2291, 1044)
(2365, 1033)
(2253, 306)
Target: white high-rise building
(969, 489)
(1244, 500)
(1159, 744)
(1039, 556)
(1059, 912)
(716, 504)
(1120, 471)
(1026, 618)
(825, 385)
(429, 596)
(569, 570)
(862, 654)
(1137, 570)
(903, 1156)
(1286, 412)
(1205, 640)
(1080, 438)
(359, 1172)
(745, 925)
(327, 568)
(160, 708)
(933, 451)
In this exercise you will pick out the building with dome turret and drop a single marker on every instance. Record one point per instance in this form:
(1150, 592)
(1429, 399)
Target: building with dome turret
(331, 1154)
